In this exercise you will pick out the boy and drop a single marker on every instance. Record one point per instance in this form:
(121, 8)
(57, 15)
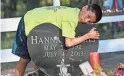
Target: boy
(65, 18)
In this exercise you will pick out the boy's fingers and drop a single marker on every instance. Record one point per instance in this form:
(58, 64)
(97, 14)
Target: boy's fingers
(97, 33)
(97, 37)
(93, 29)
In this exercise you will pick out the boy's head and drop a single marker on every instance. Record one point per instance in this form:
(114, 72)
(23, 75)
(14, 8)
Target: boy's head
(90, 14)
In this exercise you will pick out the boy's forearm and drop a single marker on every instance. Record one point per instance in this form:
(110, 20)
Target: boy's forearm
(75, 41)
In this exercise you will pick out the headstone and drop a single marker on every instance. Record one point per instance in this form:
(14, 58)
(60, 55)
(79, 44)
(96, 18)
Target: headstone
(47, 50)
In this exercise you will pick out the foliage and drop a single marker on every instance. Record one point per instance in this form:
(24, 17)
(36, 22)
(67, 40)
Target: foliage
(7, 40)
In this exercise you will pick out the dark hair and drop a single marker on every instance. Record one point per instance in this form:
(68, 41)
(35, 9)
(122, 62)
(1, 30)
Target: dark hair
(97, 10)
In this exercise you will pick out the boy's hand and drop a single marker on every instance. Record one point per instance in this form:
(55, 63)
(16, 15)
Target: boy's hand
(93, 34)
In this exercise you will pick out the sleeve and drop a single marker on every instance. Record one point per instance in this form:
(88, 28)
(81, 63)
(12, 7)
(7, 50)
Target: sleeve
(68, 29)
(20, 41)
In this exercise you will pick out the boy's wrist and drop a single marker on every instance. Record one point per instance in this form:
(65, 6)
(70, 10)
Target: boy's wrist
(87, 36)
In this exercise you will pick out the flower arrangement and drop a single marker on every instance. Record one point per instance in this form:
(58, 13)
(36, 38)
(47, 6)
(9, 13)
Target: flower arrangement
(119, 71)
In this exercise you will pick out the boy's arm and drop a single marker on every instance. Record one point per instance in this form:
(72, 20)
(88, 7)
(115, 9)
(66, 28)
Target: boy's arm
(92, 34)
